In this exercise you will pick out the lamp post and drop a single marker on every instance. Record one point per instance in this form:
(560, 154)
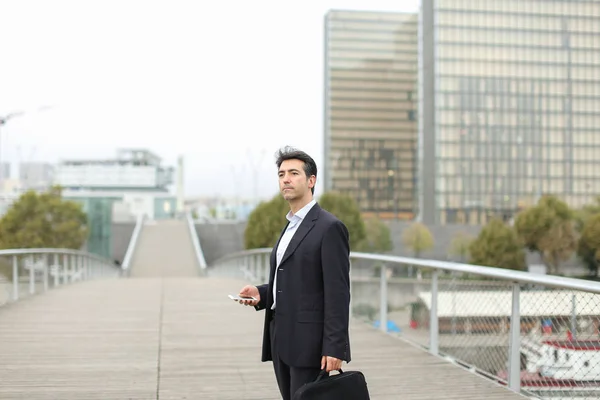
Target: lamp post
(3, 121)
(236, 186)
(255, 164)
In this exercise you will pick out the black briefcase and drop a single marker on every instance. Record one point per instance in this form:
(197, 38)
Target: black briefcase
(349, 385)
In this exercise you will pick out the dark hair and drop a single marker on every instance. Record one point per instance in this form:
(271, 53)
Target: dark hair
(290, 153)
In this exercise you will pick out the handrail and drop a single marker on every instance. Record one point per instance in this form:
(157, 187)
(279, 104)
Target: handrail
(195, 241)
(580, 300)
(133, 242)
(50, 250)
(41, 269)
(489, 272)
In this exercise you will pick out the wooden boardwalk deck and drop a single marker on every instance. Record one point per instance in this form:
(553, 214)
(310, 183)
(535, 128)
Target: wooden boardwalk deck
(182, 338)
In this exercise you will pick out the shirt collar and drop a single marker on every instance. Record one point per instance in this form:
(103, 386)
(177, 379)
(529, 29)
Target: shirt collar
(301, 213)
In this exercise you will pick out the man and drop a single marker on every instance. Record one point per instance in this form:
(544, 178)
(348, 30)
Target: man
(307, 298)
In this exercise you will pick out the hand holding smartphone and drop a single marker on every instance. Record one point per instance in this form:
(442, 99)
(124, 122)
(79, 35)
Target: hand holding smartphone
(248, 296)
(241, 298)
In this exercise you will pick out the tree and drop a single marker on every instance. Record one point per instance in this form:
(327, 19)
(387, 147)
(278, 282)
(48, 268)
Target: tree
(377, 239)
(558, 245)
(548, 229)
(497, 245)
(417, 238)
(267, 220)
(588, 249)
(346, 209)
(265, 223)
(459, 247)
(43, 220)
(586, 212)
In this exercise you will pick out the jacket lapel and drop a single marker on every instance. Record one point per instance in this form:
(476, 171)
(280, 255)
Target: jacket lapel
(305, 226)
(273, 259)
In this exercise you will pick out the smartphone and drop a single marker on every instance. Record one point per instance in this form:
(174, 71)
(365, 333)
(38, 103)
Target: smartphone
(240, 298)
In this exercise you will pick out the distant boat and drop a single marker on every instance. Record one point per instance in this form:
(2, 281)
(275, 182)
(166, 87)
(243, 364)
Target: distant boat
(552, 365)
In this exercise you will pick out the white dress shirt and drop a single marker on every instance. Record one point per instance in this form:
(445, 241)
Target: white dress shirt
(295, 220)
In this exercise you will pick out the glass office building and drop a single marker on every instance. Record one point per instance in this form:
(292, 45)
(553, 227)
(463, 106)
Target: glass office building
(370, 116)
(509, 106)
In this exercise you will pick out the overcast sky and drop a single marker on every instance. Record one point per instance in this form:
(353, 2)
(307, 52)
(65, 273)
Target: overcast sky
(213, 81)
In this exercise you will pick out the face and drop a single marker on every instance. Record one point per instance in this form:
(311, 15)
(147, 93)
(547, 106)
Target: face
(293, 182)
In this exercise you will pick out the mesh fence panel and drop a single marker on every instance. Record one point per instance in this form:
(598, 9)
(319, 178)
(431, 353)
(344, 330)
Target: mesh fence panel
(560, 343)
(559, 330)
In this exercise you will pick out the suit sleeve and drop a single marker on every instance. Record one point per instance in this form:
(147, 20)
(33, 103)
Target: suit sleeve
(335, 260)
(262, 290)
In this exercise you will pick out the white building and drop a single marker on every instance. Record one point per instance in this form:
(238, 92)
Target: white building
(133, 169)
(135, 182)
(35, 175)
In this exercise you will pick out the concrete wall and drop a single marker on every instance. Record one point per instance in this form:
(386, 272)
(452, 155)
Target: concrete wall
(121, 234)
(218, 240)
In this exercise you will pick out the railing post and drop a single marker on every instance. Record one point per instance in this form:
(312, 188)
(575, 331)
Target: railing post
(45, 258)
(32, 275)
(69, 269)
(574, 316)
(68, 260)
(15, 278)
(433, 316)
(514, 355)
(383, 299)
(250, 268)
(267, 267)
(56, 270)
(60, 279)
(76, 266)
(350, 283)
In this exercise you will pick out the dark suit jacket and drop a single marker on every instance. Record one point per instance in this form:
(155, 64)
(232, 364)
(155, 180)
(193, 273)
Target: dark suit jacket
(313, 293)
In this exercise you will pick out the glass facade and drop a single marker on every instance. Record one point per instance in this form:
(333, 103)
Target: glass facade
(370, 109)
(513, 111)
(99, 219)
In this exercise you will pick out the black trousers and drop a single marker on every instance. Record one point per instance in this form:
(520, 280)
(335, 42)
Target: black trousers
(289, 379)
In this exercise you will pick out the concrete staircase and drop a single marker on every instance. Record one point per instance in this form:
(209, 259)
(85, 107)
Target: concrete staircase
(164, 249)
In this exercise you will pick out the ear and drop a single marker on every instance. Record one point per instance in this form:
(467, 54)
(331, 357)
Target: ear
(312, 181)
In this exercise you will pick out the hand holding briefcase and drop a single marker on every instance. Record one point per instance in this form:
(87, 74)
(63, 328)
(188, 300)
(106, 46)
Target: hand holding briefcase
(349, 385)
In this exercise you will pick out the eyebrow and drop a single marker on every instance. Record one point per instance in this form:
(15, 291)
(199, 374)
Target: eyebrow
(289, 170)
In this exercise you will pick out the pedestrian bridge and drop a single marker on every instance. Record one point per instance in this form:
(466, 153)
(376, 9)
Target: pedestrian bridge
(74, 326)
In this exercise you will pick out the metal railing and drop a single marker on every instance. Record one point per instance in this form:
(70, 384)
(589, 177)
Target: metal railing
(464, 313)
(25, 272)
(196, 242)
(139, 224)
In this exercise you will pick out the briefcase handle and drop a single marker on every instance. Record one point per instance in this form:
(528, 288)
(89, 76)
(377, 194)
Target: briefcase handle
(324, 372)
